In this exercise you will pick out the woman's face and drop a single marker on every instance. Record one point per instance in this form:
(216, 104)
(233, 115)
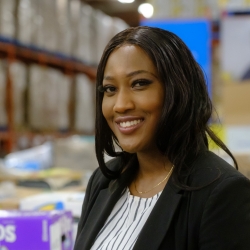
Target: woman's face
(133, 98)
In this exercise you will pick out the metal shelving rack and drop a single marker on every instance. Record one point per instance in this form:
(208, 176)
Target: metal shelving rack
(12, 51)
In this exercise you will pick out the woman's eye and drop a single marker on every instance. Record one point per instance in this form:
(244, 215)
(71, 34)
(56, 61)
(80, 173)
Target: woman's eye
(141, 83)
(109, 89)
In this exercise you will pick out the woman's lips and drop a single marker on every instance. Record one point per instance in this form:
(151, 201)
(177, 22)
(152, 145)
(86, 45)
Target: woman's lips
(128, 126)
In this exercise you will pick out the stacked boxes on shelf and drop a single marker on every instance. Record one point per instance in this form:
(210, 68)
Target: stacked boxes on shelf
(233, 86)
(43, 97)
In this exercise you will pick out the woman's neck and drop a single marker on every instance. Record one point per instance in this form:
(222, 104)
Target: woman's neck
(153, 174)
(153, 164)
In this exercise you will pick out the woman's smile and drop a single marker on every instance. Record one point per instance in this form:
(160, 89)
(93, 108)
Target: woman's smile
(133, 98)
(128, 125)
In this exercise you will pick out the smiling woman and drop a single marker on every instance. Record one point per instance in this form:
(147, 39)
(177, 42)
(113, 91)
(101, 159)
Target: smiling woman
(133, 99)
(164, 189)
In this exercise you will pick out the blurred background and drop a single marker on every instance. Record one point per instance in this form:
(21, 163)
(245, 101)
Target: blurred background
(49, 52)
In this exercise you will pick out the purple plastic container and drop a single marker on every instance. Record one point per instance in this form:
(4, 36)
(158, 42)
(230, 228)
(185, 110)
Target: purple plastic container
(36, 230)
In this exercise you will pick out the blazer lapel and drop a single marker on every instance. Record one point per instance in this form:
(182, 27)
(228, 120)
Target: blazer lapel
(159, 220)
(97, 217)
(100, 211)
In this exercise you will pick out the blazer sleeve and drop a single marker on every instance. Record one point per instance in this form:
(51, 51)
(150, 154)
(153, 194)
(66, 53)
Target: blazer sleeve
(225, 223)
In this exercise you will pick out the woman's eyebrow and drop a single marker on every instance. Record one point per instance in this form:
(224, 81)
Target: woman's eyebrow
(140, 72)
(131, 74)
(108, 78)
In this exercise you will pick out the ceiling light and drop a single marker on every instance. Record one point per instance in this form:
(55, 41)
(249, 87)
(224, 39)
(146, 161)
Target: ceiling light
(146, 9)
(126, 1)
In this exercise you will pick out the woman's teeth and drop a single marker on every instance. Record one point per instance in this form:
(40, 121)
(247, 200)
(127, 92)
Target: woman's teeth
(129, 123)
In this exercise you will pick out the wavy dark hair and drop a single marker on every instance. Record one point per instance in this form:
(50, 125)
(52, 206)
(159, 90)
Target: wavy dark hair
(187, 107)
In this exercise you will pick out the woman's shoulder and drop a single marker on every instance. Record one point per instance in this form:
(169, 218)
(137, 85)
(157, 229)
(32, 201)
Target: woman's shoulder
(221, 206)
(217, 185)
(98, 179)
(210, 168)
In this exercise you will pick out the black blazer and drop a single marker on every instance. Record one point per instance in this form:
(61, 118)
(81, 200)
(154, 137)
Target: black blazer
(214, 217)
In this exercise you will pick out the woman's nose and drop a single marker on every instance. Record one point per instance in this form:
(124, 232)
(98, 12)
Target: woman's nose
(123, 102)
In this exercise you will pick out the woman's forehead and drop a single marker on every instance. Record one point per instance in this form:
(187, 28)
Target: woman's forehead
(129, 58)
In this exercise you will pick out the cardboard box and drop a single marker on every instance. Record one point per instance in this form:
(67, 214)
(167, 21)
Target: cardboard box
(70, 201)
(36, 230)
(236, 103)
(13, 202)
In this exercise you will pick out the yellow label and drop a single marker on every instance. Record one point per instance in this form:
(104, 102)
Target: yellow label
(220, 132)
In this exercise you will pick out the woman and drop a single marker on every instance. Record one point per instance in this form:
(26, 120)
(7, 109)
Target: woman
(164, 189)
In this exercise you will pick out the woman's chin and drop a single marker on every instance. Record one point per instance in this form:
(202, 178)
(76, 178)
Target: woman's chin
(129, 148)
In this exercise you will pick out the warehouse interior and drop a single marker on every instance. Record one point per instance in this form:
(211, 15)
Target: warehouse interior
(49, 53)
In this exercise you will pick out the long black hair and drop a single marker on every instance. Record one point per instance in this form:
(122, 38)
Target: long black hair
(187, 108)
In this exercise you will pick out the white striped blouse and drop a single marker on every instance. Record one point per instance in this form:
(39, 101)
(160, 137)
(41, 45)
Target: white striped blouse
(125, 222)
